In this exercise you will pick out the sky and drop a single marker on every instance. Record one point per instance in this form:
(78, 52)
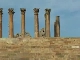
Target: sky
(68, 10)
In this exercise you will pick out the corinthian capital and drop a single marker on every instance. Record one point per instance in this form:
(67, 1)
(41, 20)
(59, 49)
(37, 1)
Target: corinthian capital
(36, 10)
(11, 11)
(22, 10)
(48, 11)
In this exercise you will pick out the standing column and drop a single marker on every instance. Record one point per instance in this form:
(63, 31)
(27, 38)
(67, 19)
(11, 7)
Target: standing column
(57, 28)
(36, 11)
(1, 12)
(45, 23)
(11, 31)
(47, 11)
(54, 29)
(23, 22)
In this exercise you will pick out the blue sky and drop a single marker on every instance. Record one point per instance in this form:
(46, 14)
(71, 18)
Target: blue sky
(68, 10)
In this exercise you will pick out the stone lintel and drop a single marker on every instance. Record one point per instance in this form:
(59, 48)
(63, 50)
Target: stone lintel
(11, 11)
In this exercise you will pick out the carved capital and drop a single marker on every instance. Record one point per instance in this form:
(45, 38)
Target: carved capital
(11, 11)
(47, 11)
(1, 12)
(36, 10)
(22, 10)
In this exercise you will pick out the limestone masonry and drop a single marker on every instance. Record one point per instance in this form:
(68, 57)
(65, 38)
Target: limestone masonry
(42, 47)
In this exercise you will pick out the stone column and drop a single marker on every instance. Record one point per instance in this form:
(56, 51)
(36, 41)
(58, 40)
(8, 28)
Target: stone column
(47, 11)
(36, 27)
(11, 31)
(1, 12)
(57, 28)
(23, 22)
(45, 23)
(54, 29)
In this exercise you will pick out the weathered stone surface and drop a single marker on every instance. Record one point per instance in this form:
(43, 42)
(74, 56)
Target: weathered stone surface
(36, 22)
(39, 49)
(23, 10)
(18, 35)
(11, 28)
(1, 12)
(42, 32)
(47, 22)
(57, 27)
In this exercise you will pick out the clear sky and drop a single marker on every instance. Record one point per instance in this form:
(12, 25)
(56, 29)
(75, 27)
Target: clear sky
(68, 10)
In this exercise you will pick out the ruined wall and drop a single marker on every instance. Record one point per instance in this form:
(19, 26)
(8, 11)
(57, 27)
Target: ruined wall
(18, 35)
(40, 49)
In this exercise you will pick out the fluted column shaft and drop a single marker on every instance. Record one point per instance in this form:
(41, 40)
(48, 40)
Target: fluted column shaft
(11, 28)
(47, 22)
(23, 22)
(1, 12)
(36, 20)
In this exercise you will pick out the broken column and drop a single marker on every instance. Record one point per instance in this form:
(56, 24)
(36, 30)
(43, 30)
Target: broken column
(57, 27)
(11, 31)
(1, 12)
(23, 22)
(36, 22)
(47, 14)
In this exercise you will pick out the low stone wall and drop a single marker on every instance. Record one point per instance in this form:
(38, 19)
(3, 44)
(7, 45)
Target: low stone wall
(40, 49)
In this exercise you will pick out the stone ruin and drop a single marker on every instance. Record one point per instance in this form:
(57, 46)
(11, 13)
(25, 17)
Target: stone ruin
(45, 32)
(18, 35)
(42, 32)
(15, 48)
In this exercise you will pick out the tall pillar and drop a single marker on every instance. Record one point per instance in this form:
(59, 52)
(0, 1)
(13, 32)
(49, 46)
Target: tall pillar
(23, 22)
(47, 11)
(1, 12)
(45, 23)
(11, 31)
(57, 27)
(36, 20)
(54, 29)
